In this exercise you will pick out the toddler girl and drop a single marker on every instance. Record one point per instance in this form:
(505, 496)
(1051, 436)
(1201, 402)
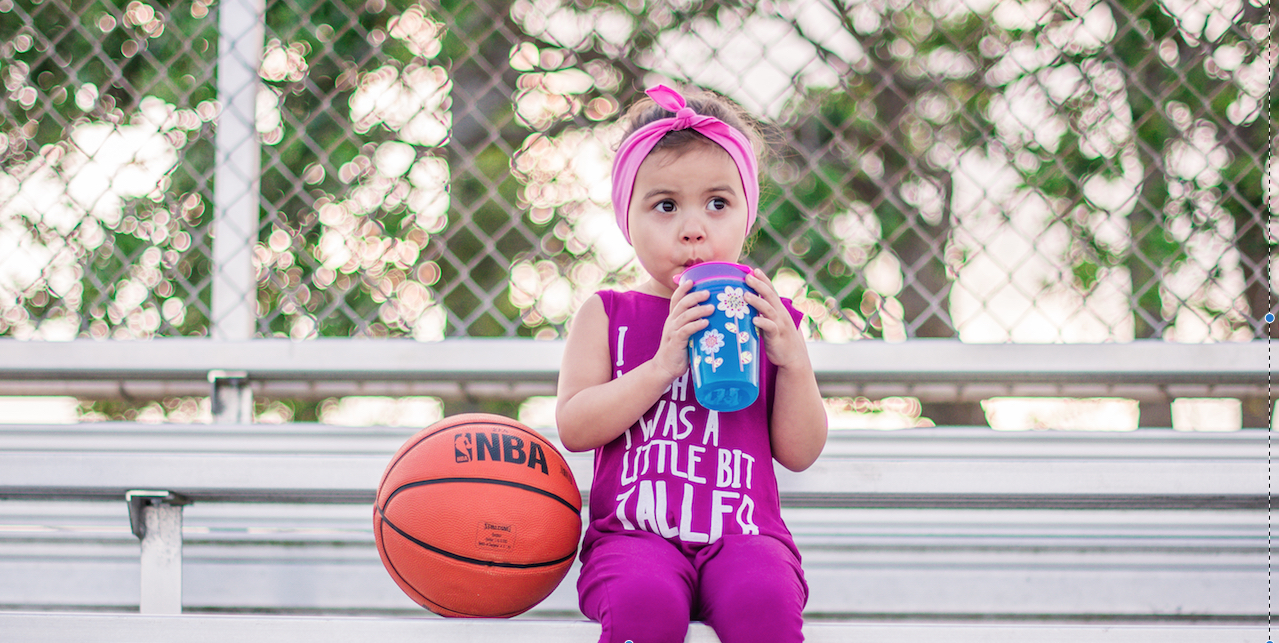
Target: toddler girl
(684, 518)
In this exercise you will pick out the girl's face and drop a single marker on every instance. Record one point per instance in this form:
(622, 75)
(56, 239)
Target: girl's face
(686, 208)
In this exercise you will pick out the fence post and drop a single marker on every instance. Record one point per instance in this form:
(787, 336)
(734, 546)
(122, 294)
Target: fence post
(237, 173)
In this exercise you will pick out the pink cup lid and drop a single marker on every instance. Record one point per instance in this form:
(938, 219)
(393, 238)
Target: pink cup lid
(712, 270)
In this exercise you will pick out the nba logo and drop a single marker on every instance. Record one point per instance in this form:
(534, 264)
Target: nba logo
(462, 449)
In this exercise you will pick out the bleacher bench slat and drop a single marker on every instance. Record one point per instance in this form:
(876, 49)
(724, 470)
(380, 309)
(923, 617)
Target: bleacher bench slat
(290, 558)
(337, 464)
(891, 524)
(94, 628)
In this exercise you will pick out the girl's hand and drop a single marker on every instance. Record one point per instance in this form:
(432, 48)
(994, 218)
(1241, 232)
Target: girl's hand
(687, 316)
(797, 426)
(782, 340)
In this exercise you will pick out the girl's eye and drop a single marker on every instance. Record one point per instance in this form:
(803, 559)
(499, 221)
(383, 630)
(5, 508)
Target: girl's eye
(717, 203)
(666, 206)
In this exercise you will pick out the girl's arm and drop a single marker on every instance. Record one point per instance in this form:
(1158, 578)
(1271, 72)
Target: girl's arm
(798, 422)
(591, 408)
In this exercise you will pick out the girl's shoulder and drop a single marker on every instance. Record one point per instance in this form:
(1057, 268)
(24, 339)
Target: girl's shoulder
(607, 309)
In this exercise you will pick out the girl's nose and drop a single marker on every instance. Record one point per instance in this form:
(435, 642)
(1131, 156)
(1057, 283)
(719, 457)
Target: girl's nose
(693, 233)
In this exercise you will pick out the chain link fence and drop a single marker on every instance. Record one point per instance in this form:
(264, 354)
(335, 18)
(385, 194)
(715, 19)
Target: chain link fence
(1067, 171)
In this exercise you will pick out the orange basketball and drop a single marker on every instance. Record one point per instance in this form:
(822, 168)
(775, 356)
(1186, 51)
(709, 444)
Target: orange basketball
(477, 515)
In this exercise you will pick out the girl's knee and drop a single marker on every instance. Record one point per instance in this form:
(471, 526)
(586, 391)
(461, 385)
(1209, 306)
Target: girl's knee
(645, 616)
(760, 596)
(639, 589)
(753, 590)
(762, 610)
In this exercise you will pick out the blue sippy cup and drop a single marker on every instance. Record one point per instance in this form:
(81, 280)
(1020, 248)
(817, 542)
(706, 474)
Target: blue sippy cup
(724, 356)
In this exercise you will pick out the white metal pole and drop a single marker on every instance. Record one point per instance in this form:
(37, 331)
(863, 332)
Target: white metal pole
(237, 175)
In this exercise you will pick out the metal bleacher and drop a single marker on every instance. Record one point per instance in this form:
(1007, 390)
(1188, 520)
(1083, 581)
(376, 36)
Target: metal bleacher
(964, 533)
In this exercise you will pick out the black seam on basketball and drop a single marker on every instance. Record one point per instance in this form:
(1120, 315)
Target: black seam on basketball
(391, 563)
(505, 483)
(467, 559)
(391, 466)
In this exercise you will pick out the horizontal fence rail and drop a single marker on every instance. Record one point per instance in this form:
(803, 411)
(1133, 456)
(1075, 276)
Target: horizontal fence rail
(512, 360)
(1153, 373)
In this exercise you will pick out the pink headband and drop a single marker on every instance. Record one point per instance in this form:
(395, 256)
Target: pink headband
(638, 145)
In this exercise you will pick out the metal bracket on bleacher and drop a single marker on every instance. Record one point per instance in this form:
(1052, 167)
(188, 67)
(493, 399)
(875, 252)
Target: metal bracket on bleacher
(139, 498)
(230, 397)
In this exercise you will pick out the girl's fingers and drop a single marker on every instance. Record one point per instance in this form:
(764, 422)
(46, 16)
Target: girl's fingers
(763, 307)
(772, 320)
(764, 287)
(765, 326)
(688, 314)
(693, 316)
(680, 302)
(690, 306)
(758, 302)
(682, 289)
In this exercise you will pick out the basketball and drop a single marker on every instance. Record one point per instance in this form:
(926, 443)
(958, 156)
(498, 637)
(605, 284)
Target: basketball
(477, 516)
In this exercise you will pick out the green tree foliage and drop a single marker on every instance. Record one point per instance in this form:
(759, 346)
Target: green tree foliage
(1190, 76)
(82, 82)
(1144, 116)
(407, 188)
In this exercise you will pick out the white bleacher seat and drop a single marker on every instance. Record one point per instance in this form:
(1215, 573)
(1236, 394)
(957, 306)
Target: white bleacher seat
(965, 534)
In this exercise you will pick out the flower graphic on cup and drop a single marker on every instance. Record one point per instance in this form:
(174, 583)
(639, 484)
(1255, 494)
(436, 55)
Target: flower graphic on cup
(711, 342)
(733, 302)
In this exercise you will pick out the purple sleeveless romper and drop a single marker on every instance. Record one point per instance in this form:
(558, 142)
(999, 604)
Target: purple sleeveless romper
(682, 474)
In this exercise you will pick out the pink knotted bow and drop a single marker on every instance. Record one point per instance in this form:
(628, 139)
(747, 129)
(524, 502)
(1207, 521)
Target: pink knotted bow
(638, 145)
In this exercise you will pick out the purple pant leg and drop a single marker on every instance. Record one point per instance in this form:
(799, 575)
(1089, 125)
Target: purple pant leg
(639, 587)
(751, 589)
